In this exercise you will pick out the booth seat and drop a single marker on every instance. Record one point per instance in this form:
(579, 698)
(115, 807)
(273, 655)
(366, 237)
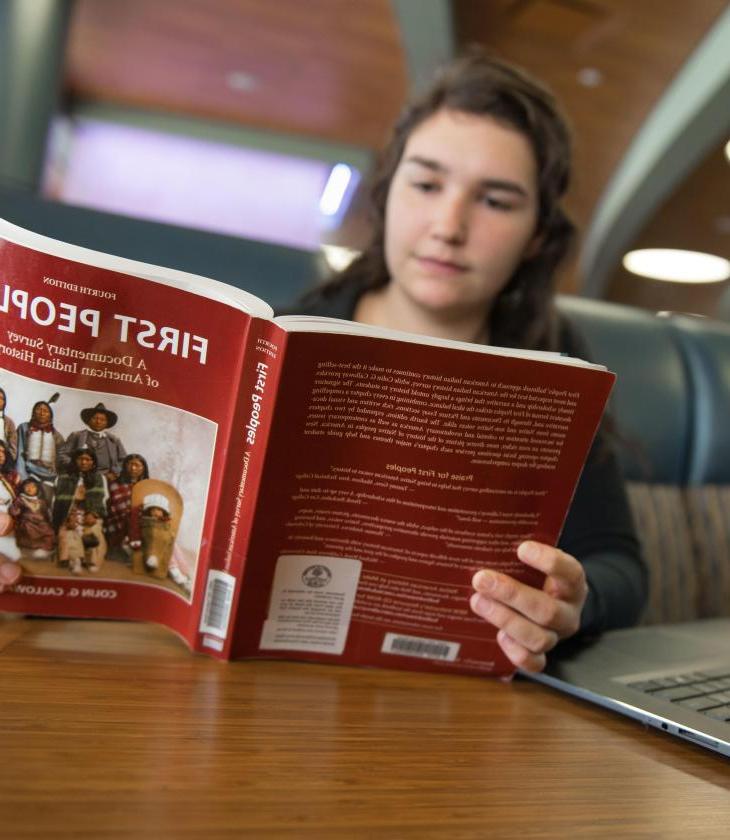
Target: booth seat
(671, 409)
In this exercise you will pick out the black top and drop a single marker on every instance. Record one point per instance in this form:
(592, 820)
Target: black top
(598, 530)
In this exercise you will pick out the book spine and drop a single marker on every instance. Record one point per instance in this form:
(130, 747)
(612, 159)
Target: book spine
(239, 489)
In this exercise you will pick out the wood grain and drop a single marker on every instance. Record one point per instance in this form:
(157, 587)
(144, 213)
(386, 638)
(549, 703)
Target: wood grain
(325, 68)
(116, 730)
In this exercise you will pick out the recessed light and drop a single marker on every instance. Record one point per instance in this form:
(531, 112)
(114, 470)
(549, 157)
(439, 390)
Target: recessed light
(241, 82)
(677, 266)
(590, 77)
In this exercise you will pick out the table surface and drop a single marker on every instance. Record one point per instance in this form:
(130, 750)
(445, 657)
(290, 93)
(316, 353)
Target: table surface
(114, 730)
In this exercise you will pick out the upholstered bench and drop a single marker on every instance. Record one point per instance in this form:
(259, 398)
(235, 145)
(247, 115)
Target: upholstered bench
(671, 404)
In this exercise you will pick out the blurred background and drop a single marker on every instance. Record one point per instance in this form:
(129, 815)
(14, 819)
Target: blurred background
(235, 138)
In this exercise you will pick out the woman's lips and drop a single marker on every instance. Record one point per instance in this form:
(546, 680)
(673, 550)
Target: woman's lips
(439, 267)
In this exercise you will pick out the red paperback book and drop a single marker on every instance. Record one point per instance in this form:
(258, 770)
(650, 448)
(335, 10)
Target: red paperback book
(300, 488)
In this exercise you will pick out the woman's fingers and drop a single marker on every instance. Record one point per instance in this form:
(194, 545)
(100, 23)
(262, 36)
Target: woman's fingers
(561, 568)
(532, 621)
(9, 574)
(533, 604)
(533, 637)
(519, 656)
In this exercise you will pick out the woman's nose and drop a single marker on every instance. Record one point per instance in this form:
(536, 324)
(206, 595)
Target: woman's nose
(451, 220)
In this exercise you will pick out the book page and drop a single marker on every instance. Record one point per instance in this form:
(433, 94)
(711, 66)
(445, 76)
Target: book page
(339, 326)
(424, 465)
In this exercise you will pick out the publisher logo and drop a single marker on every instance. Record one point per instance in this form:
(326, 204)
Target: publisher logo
(316, 576)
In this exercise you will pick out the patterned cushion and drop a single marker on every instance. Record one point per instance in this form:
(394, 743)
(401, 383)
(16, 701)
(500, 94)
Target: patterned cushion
(708, 508)
(663, 526)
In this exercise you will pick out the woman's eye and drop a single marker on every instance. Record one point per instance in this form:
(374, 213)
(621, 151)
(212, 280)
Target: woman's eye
(425, 186)
(496, 203)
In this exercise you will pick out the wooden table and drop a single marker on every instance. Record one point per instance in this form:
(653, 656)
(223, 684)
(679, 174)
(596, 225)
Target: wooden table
(117, 730)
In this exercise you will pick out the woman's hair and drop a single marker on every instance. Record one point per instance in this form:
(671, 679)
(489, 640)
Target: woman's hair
(124, 477)
(7, 464)
(481, 85)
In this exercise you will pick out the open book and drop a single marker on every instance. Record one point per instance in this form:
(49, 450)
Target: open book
(269, 487)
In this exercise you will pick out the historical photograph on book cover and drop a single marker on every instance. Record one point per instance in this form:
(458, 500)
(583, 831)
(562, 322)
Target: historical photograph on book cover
(101, 486)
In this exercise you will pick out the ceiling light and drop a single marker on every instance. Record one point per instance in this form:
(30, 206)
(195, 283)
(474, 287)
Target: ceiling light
(590, 77)
(334, 190)
(677, 266)
(727, 150)
(338, 257)
(241, 82)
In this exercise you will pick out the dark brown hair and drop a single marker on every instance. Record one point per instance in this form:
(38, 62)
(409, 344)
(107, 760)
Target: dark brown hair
(8, 464)
(479, 84)
(124, 477)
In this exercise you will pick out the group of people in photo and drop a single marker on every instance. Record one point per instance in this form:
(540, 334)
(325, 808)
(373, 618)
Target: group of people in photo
(82, 499)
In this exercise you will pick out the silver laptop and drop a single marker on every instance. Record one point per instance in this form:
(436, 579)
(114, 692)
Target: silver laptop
(675, 677)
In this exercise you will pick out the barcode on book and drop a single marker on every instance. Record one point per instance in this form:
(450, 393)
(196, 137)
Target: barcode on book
(416, 646)
(217, 604)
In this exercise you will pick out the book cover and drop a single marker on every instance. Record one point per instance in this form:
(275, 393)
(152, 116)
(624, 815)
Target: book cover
(158, 362)
(394, 471)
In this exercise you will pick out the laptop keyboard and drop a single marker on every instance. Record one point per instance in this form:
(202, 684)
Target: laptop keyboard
(706, 691)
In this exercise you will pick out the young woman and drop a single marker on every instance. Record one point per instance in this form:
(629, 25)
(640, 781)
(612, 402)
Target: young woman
(134, 469)
(468, 231)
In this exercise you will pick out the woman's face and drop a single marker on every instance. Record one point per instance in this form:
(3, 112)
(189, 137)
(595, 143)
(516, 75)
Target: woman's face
(42, 414)
(2, 401)
(3, 455)
(135, 468)
(84, 462)
(461, 212)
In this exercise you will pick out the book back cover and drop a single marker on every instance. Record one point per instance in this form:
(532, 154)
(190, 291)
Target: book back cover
(394, 472)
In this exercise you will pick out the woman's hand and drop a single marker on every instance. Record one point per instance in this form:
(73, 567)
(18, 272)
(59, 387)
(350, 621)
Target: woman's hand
(10, 574)
(532, 621)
